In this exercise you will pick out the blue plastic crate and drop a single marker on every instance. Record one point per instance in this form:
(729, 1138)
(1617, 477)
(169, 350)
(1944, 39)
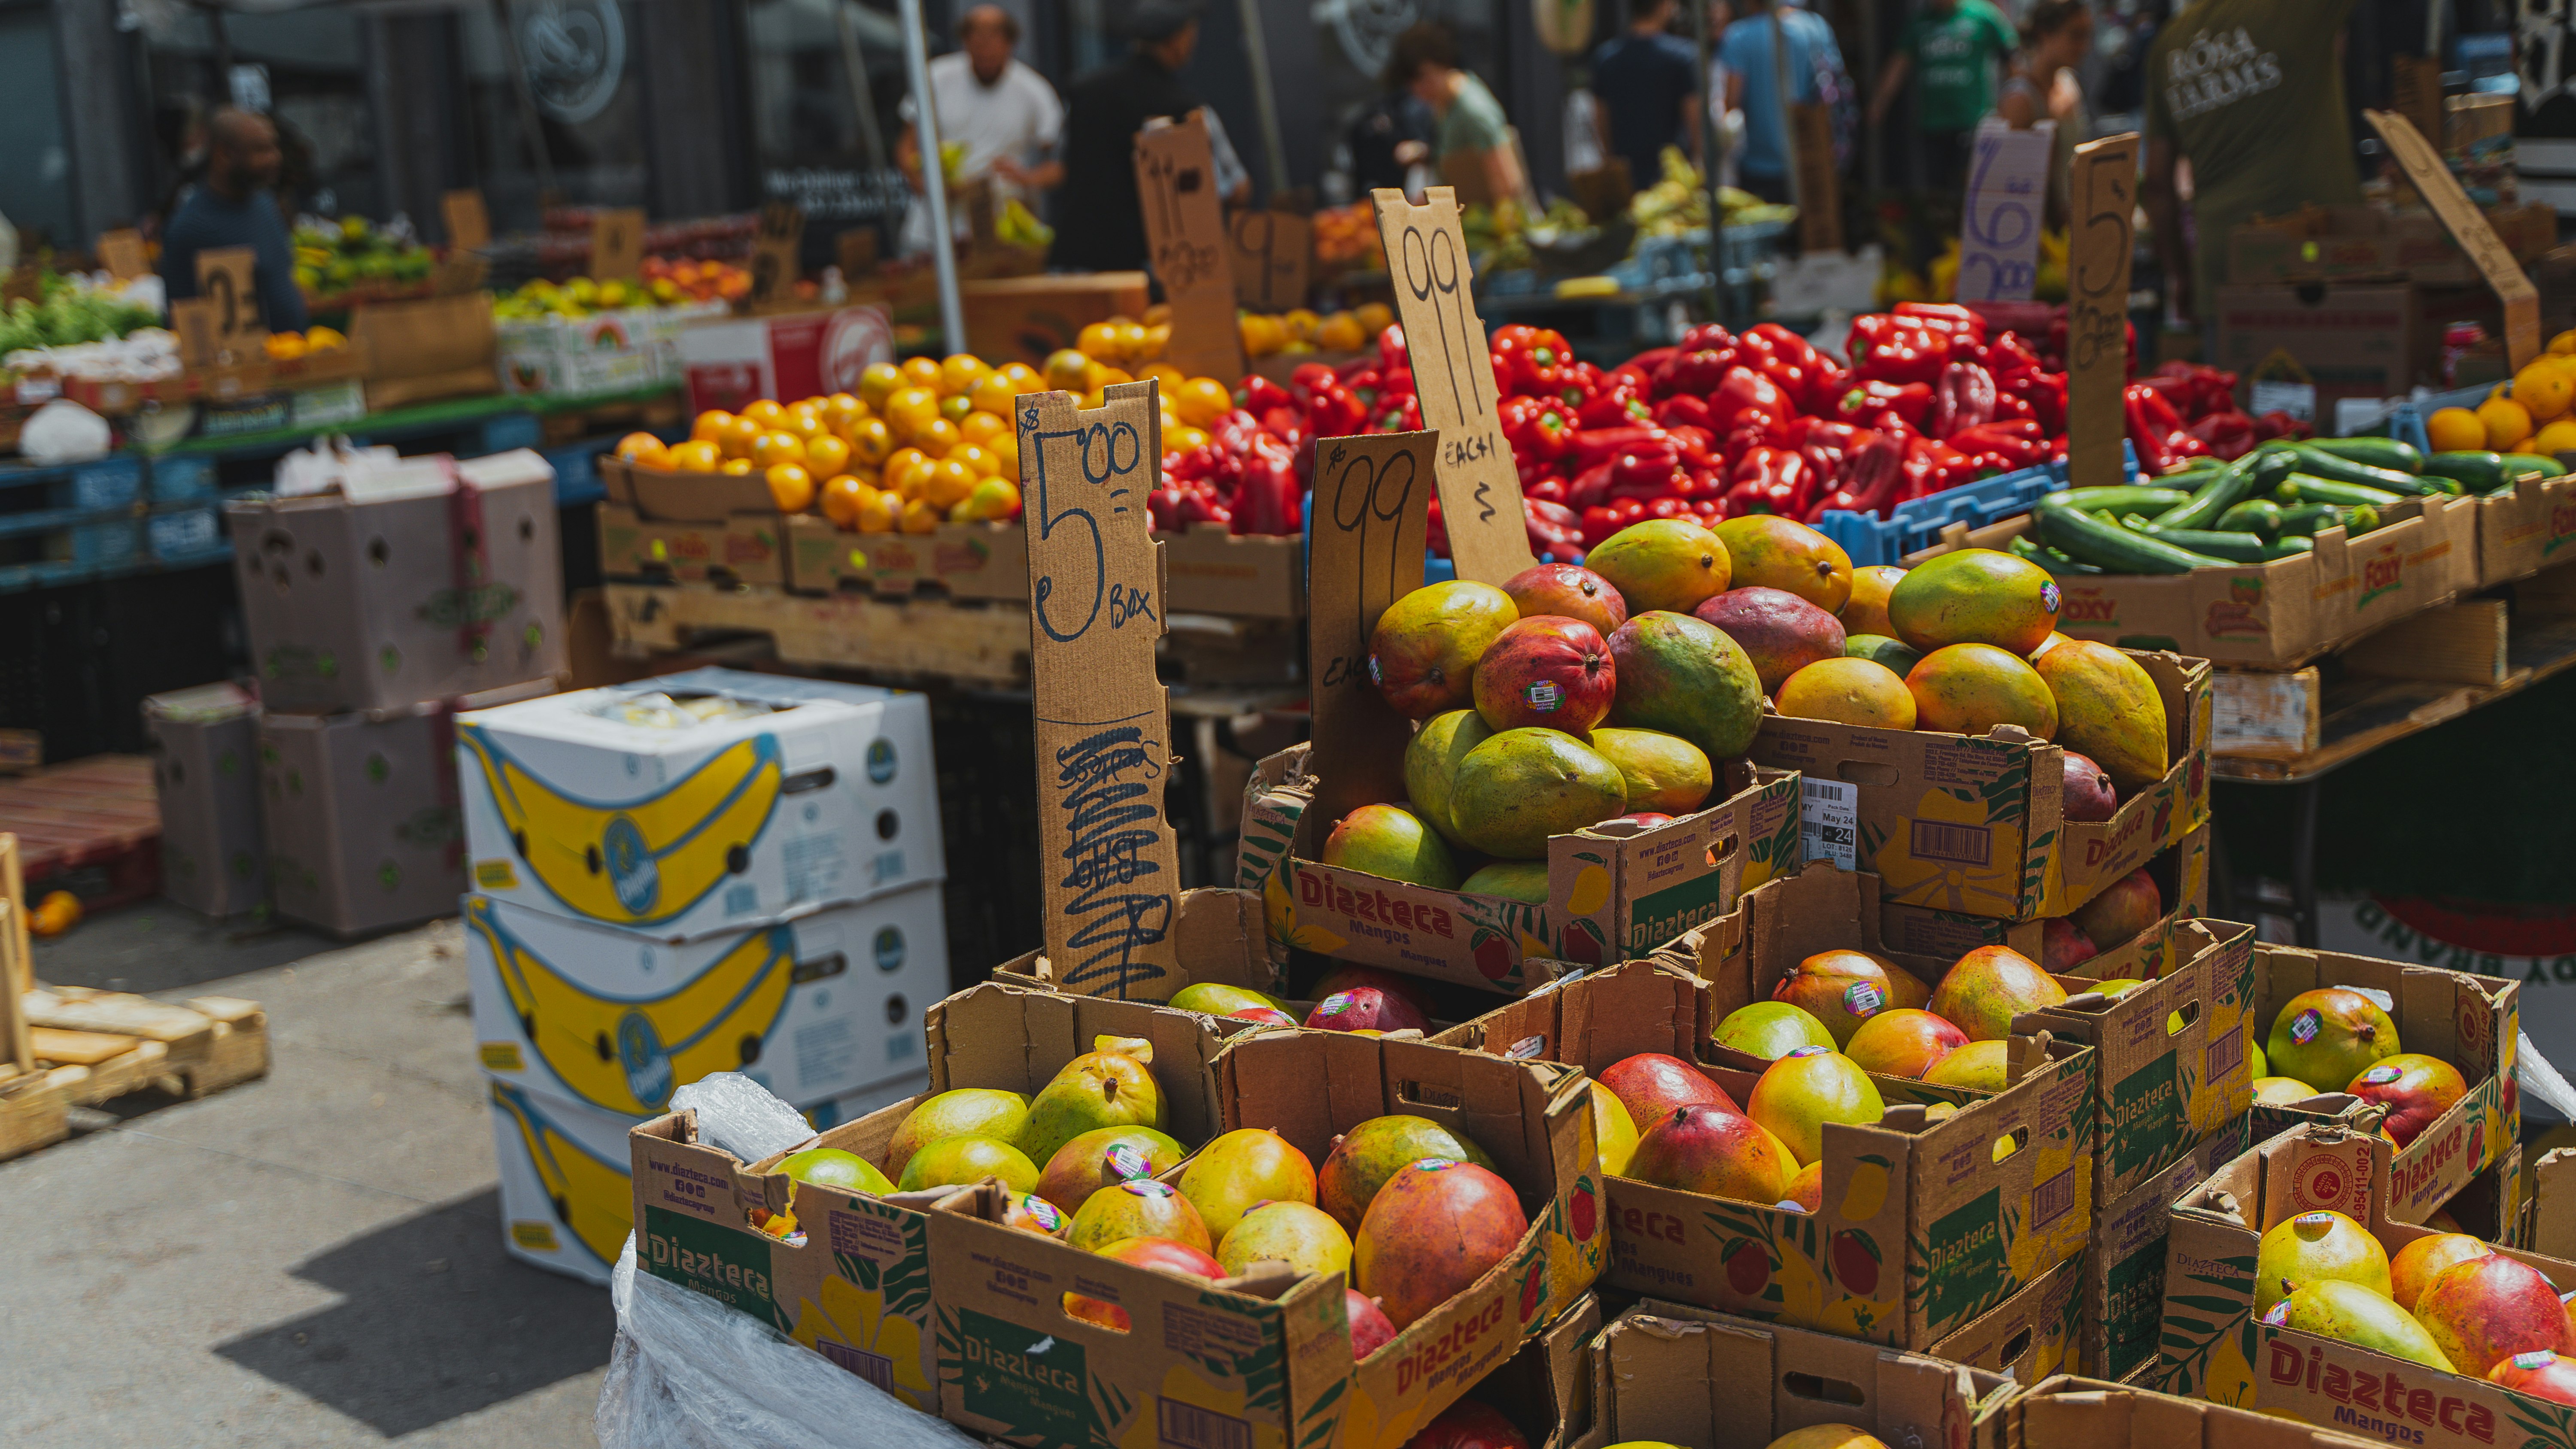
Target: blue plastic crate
(1917, 524)
(185, 535)
(183, 478)
(109, 483)
(576, 468)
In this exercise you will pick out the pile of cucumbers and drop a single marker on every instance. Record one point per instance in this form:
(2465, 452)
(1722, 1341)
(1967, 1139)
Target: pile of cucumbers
(2268, 504)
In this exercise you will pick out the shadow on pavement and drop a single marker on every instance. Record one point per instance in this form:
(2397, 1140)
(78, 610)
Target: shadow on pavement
(436, 1322)
(156, 946)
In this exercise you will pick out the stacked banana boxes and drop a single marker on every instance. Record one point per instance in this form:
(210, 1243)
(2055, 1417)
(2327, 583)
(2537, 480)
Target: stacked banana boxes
(706, 872)
(376, 612)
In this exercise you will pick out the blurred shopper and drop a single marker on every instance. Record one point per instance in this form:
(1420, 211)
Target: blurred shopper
(1472, 144)
(236, 206)
(1648, 84)
(2250, 93)
(1388, 140)
(2044, 87)
(1099, 226)
(1950, 49)
(1753, 71)
(1001, 117)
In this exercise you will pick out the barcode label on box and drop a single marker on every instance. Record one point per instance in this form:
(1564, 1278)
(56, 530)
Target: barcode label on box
(1829, 821)
(2263, 715)
(1187, 1426)
(1958, 844)
(876, 1368)
(2054, 1198)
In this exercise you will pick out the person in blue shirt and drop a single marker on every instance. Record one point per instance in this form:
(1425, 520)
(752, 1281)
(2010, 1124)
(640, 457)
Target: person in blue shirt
(1647, 83)
(236, 206)
(1752, 86)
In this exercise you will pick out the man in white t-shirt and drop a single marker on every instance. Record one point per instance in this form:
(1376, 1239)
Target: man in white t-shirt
(1003, 113)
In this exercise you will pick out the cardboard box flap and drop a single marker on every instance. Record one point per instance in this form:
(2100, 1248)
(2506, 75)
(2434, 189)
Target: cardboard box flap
(1371, 512)
(2072, 1411)
(996, 1033)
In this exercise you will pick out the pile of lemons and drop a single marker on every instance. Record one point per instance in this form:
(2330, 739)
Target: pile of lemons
(2536, 413)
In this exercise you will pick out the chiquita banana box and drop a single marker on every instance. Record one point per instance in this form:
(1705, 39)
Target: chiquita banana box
(567, 1201)
(701, 803)
(810, 1008)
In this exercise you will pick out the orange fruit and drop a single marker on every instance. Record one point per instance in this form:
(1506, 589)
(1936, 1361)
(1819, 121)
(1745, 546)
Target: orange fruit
(1341, 332)
(2558, 437)
(841, 498)
(790, 487)
(1301, 323)
(805, 421)
(58, 912)
(2455, 430)
(1202, 400)
(976, 426)
(696, 456)
(1135, 344)
(959, 372)
(826, 454)
(1024, 378)
(956, 406)
(1159, 312)
(1158, 335)
(910, 409)
(921, 371)
(710, 426)
(2507, 422)
(871, 441)
(736, 468)
(841, 410)
(1182, 439)
(993, 500)
(1374, 317)
(1006, 456)
(764, 411)
(1069, 370)
(738, 436)
(901, 464)
(1262, 335)
(977, 458)
(937, 436)
(2544, 390)
(1163, 372)
(881, 512)
(951, 479)
(1100, 339)
(770, 449)
(644, 448)
(877, 382)
(920, 517)
(992, 394)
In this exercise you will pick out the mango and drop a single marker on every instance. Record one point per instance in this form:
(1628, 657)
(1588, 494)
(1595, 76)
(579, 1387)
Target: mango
(1161, 1254)
(2414, 1088)
(980, 1110)
(1369, 1329)
(1662, 563)
(2282, 1091)
(1969, 689)
(2482, 1311)
(1770, 1030)
(1652, 1085)
(1567, 591)
(1974, 596)
(832, 1167)
(1827, 1436)
(1029, 1213)
(1614, 1132)
(1392, 841)
(1513, 880)
(1431, 764)
(1905, 1042)
(1683, 676)
(1547, 672)
(2351, 1313)
(1432, 1230)
(1143, 1208)
(2125, 907)
(2329, 1036)
(1423, 652)
(1849, 691)
(1243, 1167)
(1779, 631)
(1217, 999)
(1110, 1086)
(2413, 1266)
(1363, 1158)
(1865, 612)
(1807, 1189)
(1899, 658)
(1981, 994)
(1773, 552)
(2062, 948)
(1468, 1424)
(2542, 1375)
(1522, 786)
(1712, 1150)
(1367, 1008)
(2313, 1247)
(1842, 989)
(2087, 794)
(958, 1161)
(1296, 1233)
(1985, 1066)
(1798, 1094)
(2107, 708)
(1103, 1157)
(1663, 772)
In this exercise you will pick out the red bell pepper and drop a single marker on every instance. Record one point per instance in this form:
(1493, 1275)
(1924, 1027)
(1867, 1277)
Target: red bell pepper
(2151, 421)
(1871, 473)
(1682, 410)
(1770, 480)
(1555, 531)
(2011, 444)
(1896, 349)
(1947, 318)
(1964, 398)
(1871, 404)
(1741, 389)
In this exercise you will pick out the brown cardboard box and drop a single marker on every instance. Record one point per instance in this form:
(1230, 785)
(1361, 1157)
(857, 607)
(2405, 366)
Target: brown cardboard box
(1268, 1360)
(743, 549)
(2181, 875)
(2524, 531)
(421, 351)
(1923, 1230)
(857, 1289)
(2215, 1348)
(2036, 1332)
(205, 772)
(674, 496)
(962, 560)
(1975, 824)
(1675, 1374)
(2469, 1021)
(1024, 319)
(2551, 1216)
(2349, 339)
(2124, 1272)
(2076, 1411)
(380, 605)
(2281, 614)
(2332, 243)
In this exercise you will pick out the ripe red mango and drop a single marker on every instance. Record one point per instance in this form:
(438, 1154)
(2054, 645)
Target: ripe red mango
(1435, 1228)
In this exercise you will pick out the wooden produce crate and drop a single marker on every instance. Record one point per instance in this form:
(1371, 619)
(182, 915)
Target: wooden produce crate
(92, 827)
(973, 643)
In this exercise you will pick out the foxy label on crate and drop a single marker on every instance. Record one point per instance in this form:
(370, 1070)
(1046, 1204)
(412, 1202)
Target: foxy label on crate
(2413, 1376)
(847, 1273)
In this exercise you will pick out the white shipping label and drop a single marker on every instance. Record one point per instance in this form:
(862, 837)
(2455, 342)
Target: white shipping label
(1829, 821)
(2298, 399)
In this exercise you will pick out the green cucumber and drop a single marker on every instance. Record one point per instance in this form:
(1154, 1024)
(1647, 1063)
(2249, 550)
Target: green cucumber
(2540, 463)
(2303, 488)
(2317, 462)
(2258, 516)
(2027, 548)
(2389, 453)
(2108, 546)
(2476, 471)
(2306, 520)
(2234, 547)
(2126, 498)
(2256, 472)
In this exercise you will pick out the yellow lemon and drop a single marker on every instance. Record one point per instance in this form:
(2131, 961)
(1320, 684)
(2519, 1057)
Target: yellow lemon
(2507, 422)
(2559, 437)
(2453, 430)
(2564, 344)
(2544, 389)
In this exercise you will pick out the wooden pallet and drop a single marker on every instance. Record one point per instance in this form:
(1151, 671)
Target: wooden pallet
(88, 1048)
(92, 826)
(2406, 678)
(982, 644)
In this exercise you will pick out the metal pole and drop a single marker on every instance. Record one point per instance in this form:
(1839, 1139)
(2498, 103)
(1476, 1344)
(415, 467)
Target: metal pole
(1265, 106)
(863, 97)
(934, 178)
(547, 195)
(1708, 143)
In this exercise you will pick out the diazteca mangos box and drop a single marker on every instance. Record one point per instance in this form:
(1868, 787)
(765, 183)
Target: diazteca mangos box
(857, 1287)
(1264, 1362)
(2181, 875)
(699, 803)
(2124, 1270)
(1614, 891)
(2067, 1410)
(1927, 1224)
(2214, 1347)
(2036, 1332)
(2549, 1214)
(1975, 824)
(1672, 1373)
(2275, 615)
(2472, 1022)
(810, 1008)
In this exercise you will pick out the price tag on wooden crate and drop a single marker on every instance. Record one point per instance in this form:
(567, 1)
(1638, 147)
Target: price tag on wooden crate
(1273, 259)
(1369, 515)
(226, 278)
(2103, 197)
(121, 252)
(2468, 227)
(617, 245)
(469, 226)
(2007, 197)
(774, 252)
(1112, 863)
(1185, 227)
(193, 319)
(1453, 375)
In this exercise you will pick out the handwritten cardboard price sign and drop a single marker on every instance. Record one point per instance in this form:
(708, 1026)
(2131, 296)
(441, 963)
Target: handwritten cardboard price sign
(2468, 227)
(1371, 512)
(1185, 226)
(121, 252)
(2007, 195)
(1111, 863)
(774, 249)
(2103, 198)
(617, 245)
(226, 280)
(1273, 256)
(1453, 374)
(469, 226)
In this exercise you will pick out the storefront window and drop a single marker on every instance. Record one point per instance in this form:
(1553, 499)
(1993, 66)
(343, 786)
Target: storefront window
(35, 187)
(581, 82)
(813, 140)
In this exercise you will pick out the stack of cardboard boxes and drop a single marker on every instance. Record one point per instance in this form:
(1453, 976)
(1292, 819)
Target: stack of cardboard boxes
(706, 872)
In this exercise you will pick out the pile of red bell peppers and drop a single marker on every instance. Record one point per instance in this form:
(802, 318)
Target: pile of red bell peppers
(2186, 409)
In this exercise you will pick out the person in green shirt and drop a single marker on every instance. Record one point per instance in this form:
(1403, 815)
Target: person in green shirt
(1472, 144)
(1951, 47)
(2250, 92)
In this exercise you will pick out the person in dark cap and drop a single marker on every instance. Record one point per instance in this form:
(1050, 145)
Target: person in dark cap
(1099, 225)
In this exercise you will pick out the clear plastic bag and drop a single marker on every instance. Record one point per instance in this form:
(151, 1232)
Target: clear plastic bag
(690, 1373)
(742, 1116)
